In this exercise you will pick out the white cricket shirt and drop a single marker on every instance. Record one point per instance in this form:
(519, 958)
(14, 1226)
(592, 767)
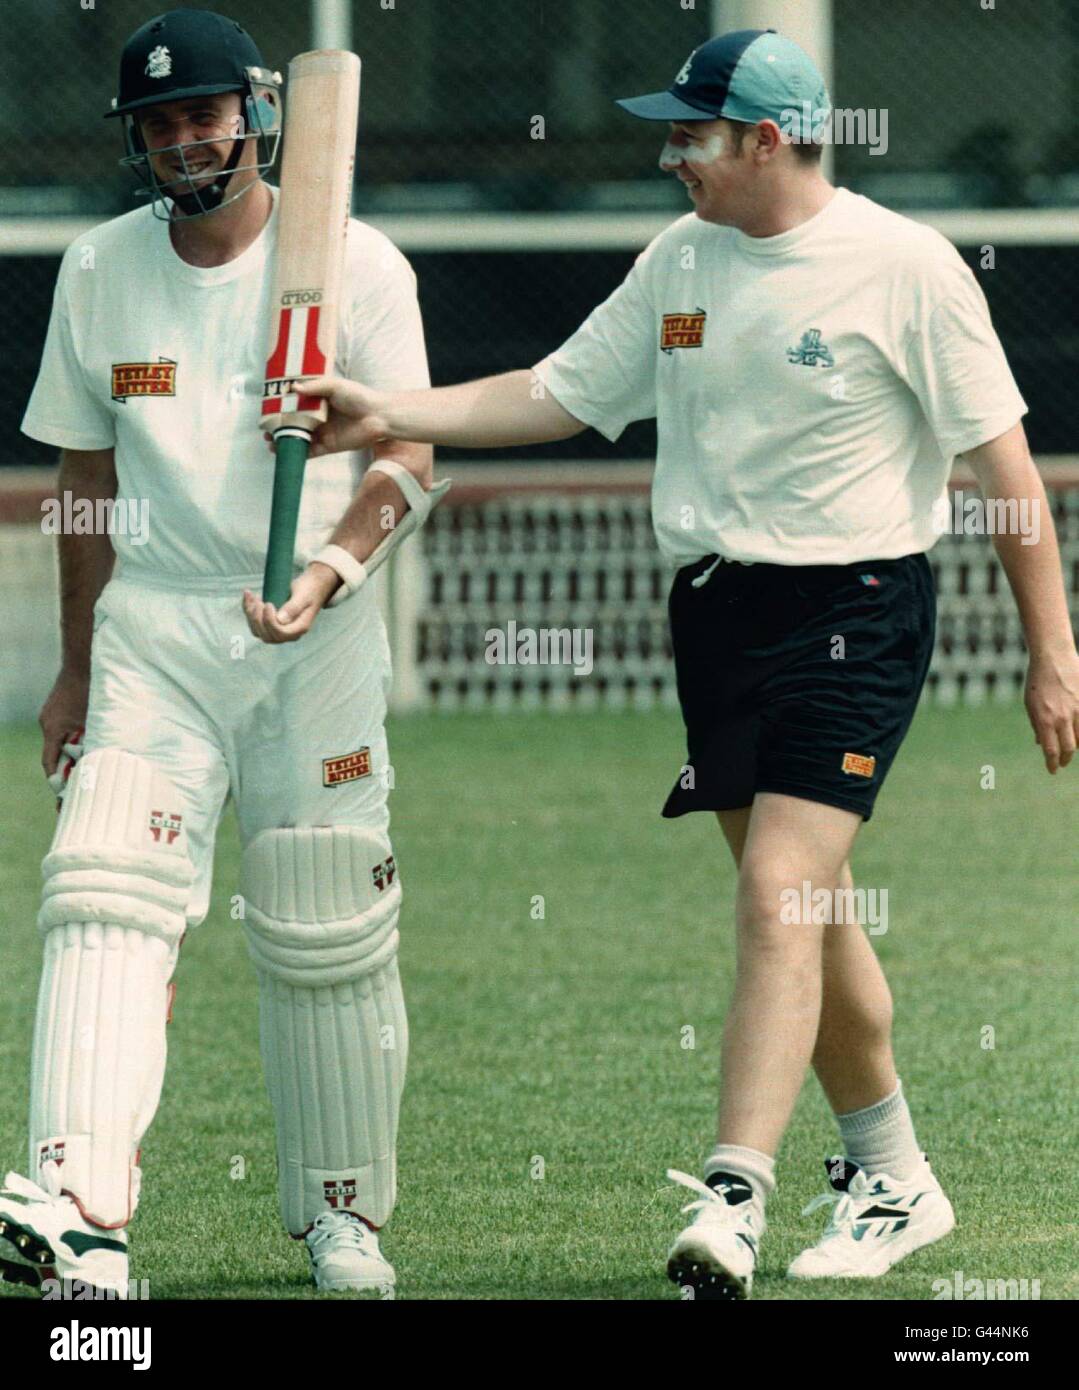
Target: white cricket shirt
(164, 362)
(810, 389)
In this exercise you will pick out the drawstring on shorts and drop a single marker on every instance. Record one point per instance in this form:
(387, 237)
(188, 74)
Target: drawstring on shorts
(702, 579)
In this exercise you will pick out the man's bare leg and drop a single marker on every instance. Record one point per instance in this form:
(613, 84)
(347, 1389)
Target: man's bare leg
(772, 1024)
(853, 1056)
(769, 1035)
(853, 1053)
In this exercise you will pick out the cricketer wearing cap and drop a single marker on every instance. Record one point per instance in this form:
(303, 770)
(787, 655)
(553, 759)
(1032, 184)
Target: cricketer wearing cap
(814, 364)
(151, 386)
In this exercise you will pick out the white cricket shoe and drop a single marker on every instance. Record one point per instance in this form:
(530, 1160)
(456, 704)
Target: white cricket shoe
(876, 1221)
(716, 1254)
(44, 1236)
(345, 1255)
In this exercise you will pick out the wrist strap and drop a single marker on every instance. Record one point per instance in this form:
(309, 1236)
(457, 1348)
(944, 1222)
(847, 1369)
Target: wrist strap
(352, 573)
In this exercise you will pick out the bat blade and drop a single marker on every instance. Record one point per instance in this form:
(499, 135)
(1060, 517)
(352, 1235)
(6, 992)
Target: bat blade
(321, 117)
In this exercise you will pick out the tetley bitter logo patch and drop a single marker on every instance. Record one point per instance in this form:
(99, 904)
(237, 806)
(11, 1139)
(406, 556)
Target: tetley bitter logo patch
(682, 331)
(143, 379)
(350, 767)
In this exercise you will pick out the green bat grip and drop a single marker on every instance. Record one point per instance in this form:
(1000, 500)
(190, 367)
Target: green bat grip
(290, 458)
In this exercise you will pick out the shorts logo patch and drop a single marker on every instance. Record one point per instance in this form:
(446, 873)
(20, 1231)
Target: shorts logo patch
(171, 824)
(870, 581)
(858, 764)
(339, 1192)
(349, 768)
(52, 1151)
(143, 379)
(382, 874)
(682, 331)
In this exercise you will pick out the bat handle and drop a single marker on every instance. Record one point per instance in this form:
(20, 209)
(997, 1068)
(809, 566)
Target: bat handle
(290, 458)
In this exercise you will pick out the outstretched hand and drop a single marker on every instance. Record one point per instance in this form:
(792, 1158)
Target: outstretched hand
(356, 418)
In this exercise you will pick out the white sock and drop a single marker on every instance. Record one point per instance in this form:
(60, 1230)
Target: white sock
(753, 1167)
(880, 1138)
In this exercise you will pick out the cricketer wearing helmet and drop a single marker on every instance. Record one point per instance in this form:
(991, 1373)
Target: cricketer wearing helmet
(190, 690)
(814, 363)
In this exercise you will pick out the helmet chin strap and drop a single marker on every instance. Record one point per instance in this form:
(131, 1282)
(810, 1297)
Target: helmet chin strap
(198, 203)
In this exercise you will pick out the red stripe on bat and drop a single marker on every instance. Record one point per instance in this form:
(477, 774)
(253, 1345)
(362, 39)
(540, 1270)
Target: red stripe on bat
(314, 360)
(275, 367)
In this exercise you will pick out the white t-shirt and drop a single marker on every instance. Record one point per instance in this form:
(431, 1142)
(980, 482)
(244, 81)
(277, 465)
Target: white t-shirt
(165, 362)
(810, 389)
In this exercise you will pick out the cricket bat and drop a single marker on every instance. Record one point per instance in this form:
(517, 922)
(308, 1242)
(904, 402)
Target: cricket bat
(321, 115)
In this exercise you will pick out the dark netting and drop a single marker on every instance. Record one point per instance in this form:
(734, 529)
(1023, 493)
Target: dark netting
(506, 106)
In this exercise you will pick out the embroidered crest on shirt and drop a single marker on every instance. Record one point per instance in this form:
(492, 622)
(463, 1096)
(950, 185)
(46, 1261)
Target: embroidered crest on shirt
(682, 331)
(159, 62)
(811, 352)
(143, 379)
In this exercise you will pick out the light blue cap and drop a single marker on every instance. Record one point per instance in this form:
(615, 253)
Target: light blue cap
(749, 75)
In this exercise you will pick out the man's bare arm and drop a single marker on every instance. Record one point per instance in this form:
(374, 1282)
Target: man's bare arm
(1006, 471)
(495, 412)
(510, 409)
(375, 510)
(367, 520)
(379, 504)
(85, 567)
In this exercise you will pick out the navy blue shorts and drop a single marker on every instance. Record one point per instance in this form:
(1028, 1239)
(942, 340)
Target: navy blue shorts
(797, 679)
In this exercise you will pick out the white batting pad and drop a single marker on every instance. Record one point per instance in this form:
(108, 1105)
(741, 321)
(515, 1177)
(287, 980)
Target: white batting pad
(120, 849)
(321, 908)
(116, 885)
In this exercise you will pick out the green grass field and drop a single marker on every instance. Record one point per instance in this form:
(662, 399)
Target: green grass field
(560, 1039)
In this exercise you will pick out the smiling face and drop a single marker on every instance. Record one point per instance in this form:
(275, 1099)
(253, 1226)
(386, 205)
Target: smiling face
(708, 158)
(190, 123)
